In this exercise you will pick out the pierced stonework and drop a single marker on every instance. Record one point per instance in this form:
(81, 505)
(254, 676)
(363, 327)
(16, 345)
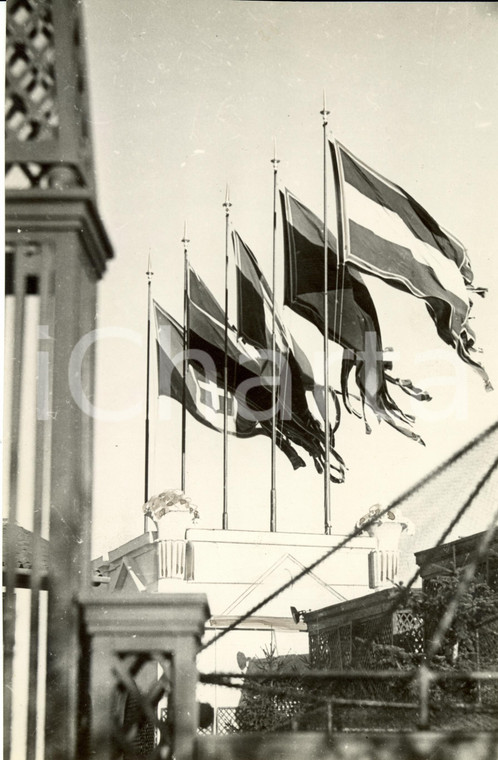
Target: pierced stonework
(143, 683)
(31, 112)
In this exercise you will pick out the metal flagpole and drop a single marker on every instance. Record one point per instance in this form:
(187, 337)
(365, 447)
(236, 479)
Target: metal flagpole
(149, 274)
(326, 474)
(273, 497)
(342, 229)
(226, 206)
(186, 297)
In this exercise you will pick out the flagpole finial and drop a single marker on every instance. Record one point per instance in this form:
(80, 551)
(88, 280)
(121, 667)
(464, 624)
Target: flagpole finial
(185, 239)
(226, 203)
(275, 161)
(149, 271)
(324, 111)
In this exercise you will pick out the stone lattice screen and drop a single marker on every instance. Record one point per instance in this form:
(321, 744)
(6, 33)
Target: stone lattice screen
(46, 99)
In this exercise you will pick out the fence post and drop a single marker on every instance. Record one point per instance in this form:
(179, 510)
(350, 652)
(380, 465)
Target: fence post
(424, 685)
(130, 640)
(330, 718)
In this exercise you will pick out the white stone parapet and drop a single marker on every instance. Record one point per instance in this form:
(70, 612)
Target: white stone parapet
(171, 558)
(171, 544)
(383, 561)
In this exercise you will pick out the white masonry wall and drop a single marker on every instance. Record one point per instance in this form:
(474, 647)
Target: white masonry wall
(239, 569)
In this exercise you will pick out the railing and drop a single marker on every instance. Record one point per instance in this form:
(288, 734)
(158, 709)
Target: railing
(318, 746)
(310, 719)
(138, 680)
(314, 700)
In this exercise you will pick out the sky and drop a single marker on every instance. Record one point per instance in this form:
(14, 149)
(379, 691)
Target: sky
(189, 96)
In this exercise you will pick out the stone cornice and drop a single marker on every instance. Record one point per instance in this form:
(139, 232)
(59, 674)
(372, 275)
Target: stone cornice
(29, 212)
(145, 614)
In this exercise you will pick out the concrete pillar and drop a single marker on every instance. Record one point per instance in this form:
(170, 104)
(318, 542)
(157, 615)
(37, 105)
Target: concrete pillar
(130, 638)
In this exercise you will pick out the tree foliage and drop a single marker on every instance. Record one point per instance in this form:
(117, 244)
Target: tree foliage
(470, 643)
(475, 617)
(270, 704)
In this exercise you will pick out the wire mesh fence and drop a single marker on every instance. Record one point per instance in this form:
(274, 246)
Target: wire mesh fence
(378, 701)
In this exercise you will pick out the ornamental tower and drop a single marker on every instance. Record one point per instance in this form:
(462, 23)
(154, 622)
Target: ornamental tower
(56, 252)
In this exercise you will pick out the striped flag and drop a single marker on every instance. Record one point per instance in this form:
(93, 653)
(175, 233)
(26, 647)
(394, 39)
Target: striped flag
(353, 321)
(394, 238)
(253, 297)
(351, 310)
(255, 301)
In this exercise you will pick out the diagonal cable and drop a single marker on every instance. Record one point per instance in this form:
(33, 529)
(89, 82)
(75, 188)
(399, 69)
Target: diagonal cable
(353, 534)
(309, 568)
(463, 585)
(403, 591)
(447, 463)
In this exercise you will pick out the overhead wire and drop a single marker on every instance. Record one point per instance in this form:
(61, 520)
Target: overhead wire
(403, 590)
(463, 585)
(358, 530)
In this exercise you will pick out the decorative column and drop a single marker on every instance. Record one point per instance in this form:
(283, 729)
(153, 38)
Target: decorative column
(383, 561)
(56, 249)
(173, 514)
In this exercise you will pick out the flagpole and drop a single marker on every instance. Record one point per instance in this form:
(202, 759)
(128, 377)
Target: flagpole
(342, 229)
(186, 296)
(273, 497)
(326, 475)
(226, 206)
(149, 274)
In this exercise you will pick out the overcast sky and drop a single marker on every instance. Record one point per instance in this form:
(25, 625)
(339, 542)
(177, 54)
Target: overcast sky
(187, 96)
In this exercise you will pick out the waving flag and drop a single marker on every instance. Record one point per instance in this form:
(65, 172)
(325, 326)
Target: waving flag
(249, 368)
(317, 389)
(255, 301)
(392, 237)
(304, 271)
(255, 297)
(353, 321)
(203, 395)
(203, 389)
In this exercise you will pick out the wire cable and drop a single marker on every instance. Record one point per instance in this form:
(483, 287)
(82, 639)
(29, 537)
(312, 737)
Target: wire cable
(355, 533)
(403, 591)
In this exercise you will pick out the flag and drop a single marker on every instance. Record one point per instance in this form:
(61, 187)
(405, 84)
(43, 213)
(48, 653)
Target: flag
(353, 321)
(255, 301)
(204, 391)
(253, 295)
(203, 397)
(250, 373)
(255, 311)
(394, 238)
(255, 298)
(317, 389)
